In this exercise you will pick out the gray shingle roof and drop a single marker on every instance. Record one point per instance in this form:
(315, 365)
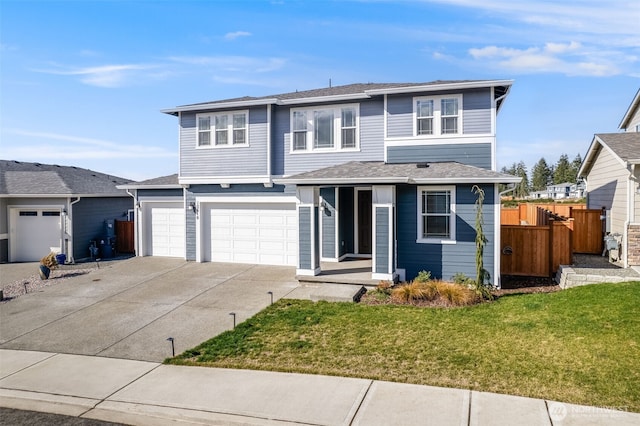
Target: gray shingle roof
(625, 145)
(349, 90)
(23, 178)
(170, 181)
(363, 172)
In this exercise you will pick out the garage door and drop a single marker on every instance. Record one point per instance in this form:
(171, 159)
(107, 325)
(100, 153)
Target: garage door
(34, 231)
(263, 234)
(167, 231)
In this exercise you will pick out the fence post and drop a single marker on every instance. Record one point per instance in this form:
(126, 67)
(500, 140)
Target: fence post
(551, 226)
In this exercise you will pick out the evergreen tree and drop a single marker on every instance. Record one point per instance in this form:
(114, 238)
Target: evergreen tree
(575, 167)
(562, 170)
(540, 175)
(522, 188)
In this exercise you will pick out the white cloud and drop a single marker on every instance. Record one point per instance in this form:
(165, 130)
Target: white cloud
(236, 34)
(77, 147)
(110, 76)
(566, 58)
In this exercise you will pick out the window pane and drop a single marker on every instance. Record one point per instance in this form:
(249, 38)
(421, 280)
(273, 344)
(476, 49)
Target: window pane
(348, 117)
(299, 120)
(239, 137)
(239, 121)
(425, 126)
(425, 108)
(204, 123)
(449, 125)
(348, 138)
(221, 137)
(299, 141)
(323, 129)
(436, 227)
(204, 138)
(221, 122)
(450, 106)
(437, 202)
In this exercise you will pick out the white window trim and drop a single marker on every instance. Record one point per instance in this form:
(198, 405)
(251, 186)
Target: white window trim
(452, 220)
(337, 129)
(212, 130)
(437, 116)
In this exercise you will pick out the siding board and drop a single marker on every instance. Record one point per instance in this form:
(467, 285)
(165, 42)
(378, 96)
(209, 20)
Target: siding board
(328, 223)
(382, 240)
(478, 155)
(304, 237)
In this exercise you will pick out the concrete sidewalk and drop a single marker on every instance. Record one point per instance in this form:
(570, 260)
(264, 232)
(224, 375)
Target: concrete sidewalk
(148, 393)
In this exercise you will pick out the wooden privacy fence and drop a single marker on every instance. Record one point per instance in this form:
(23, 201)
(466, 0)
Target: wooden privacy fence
(124, 237)
(537, 214)
(535, 250)
(588, 236)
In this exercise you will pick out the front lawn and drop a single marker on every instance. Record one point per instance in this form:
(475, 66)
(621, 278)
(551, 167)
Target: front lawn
(580, 345)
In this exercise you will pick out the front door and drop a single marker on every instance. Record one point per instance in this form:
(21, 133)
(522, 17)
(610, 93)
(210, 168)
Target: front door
(364, 222)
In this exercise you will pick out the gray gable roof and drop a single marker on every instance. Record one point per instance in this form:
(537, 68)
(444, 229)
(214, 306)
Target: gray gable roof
(23, 178)
(625, 146)
(349, 91)
(170, 181)
(367, 172)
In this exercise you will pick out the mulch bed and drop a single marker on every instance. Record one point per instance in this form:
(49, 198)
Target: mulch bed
(512, 284)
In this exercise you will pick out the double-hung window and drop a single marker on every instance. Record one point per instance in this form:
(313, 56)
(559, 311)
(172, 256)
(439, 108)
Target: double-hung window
(438, 115)
(223, 129)
(436, 214)
(324, 128)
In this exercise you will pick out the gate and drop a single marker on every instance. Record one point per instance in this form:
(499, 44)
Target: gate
(587, 235)
(124, 237)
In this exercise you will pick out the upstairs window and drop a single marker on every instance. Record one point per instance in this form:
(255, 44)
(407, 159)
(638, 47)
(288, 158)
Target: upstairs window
(436, 214)
(438, 115)
(324, 129)
(223, 130)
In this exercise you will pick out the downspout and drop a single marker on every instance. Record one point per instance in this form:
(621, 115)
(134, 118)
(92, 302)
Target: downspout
(630, 211)
(135, 220)
(70, 213)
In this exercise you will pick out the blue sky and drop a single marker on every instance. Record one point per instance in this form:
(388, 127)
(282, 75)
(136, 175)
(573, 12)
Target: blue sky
(82, 82)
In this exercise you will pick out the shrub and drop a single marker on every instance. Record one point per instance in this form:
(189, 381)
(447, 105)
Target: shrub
(456, 294)
(49, 260)
(460, 278)
(423, 277)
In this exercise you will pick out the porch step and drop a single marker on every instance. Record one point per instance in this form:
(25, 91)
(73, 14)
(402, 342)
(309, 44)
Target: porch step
(329, 292)
(337, 279)
(568, 277)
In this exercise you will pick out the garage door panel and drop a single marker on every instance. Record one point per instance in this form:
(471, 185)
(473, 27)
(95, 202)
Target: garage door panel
(242, 233)
(34, 231)
(167, 230)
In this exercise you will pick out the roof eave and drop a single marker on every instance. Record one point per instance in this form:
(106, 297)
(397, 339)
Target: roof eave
(135, 186)
(332, 98)
(439, 87)
(220, 105)
(627, 116)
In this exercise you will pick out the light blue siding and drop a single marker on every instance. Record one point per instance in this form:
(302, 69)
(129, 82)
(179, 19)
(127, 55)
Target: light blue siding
(399, 116)
(304, 237)
(329, 215)
(476, 117)
(227, 161)
(445, 260)
(371, 142)
(478, 155)
(476, 112)
(382, 240)
(190, 228)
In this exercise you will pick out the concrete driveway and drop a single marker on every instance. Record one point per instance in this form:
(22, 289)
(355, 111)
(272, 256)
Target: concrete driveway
(128, 309)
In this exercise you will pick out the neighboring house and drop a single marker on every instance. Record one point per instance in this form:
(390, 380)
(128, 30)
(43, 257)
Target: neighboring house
(611, 170)
(559, 191)
(44, 206)
(383, 171)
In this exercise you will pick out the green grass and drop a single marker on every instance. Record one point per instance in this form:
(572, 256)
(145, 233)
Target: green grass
(580, 345)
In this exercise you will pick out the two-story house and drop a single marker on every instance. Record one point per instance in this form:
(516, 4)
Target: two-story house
(611, 170)
(382, 171)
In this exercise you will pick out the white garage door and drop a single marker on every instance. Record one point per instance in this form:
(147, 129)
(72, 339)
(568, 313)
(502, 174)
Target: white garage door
(167, 231)
(265, 234)
(34, 231)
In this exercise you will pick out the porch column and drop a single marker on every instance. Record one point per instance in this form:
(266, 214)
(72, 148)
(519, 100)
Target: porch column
(308, 231)
(383, 251)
